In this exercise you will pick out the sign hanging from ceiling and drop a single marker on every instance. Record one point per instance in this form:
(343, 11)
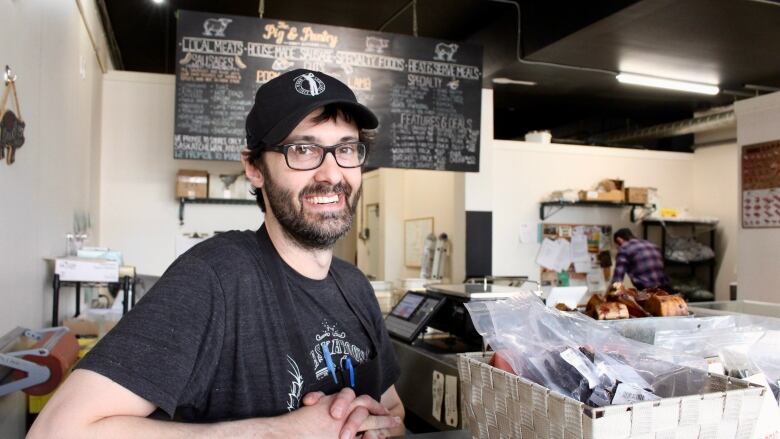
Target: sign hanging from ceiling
(425, 92)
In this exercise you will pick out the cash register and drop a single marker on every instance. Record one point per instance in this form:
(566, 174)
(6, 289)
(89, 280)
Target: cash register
(428, 329)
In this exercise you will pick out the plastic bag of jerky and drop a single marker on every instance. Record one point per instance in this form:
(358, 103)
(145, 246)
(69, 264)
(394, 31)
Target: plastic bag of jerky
(576, 357)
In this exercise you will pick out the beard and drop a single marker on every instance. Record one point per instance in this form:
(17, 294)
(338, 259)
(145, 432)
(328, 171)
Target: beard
(318, 231)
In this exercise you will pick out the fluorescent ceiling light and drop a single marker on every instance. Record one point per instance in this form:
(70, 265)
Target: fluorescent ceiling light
(158, 2)
(671, 84)
(505, 81)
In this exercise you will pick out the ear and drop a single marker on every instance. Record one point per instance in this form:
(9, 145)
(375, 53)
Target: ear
(253, 174)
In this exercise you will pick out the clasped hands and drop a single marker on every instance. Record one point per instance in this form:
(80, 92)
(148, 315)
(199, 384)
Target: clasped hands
(343, 415)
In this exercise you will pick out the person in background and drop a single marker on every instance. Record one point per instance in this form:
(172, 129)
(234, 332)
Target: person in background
(641, 260)
(256, 334)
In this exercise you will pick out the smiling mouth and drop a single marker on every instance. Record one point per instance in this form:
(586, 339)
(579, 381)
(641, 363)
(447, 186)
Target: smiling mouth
(323, 199)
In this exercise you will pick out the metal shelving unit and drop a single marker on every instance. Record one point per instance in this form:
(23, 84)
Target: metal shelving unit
(677, 265)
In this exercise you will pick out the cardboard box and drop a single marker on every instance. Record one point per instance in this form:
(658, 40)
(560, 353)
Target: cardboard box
(614, 195)
(610, 184)
(192, 184)
(496, 403)
(637, 195)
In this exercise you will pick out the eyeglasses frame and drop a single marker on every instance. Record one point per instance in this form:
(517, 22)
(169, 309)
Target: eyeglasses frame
(327, 149)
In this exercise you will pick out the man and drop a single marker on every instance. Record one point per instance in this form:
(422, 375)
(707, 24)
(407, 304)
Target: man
(256, 334)
(640, 259)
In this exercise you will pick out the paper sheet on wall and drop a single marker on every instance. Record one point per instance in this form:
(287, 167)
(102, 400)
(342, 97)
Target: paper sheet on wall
(554, 255)
(596, 283)
(547, 254)
(528, 233)
(564, 254)
(582, 267)
(579, 249)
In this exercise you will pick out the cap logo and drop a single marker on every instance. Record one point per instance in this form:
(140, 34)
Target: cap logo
(309, 85)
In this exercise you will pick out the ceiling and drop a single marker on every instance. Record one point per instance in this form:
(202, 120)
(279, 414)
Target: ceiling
(733, 43)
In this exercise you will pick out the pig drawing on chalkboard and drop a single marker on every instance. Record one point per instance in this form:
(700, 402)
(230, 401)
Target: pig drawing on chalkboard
(215, 27)
(281, 64)
(376, 45)
(445, 52)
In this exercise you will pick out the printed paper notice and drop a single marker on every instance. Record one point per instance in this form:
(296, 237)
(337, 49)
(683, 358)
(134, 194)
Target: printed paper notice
(451, 401)
(528, 233)
(554, 255)
(582, 267)
(437, 394)
(579, 249)
(547, 254)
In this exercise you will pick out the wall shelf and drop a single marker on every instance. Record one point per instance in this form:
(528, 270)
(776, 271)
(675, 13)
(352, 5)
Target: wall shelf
(550, 208)
(184, 201)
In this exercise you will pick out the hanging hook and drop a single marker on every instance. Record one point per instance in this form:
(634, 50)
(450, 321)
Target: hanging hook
(7, 76)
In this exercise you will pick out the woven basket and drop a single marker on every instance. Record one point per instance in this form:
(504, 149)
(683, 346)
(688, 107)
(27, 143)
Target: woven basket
(498, 405)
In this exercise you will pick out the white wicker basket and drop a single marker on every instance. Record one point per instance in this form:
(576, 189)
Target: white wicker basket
(498, 405)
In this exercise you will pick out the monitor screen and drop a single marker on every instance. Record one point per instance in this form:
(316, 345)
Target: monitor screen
(407, 305)
(425, 309)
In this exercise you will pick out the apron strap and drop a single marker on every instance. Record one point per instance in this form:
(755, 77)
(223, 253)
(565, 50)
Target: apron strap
(16, 100)
(3, 101)
(273, 266)
(350, 299)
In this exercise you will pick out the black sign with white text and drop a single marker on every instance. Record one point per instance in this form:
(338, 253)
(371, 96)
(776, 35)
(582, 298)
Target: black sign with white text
(425, 92)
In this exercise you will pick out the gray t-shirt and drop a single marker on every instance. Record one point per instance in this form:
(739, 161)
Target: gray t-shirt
(320, 313)
(211, 342)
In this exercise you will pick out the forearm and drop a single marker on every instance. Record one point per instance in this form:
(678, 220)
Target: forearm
(620, 270)
(133, 427)
(117, 427)
(398, 410)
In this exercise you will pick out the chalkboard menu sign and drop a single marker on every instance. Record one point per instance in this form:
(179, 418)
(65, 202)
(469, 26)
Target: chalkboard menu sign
(426, 92)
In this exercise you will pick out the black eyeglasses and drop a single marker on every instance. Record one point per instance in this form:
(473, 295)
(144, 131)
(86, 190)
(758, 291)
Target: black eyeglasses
(308, 156)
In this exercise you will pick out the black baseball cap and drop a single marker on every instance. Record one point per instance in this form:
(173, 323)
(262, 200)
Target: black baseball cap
(283, 102)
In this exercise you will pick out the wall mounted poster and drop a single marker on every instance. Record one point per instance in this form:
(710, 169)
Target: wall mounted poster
(427, 93)
(761, 185)
(415, 232)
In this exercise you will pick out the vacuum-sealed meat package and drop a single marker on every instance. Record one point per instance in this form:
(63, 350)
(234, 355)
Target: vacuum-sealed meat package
(575, 356)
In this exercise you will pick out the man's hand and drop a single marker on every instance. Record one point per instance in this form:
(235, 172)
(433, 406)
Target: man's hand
(361, 414)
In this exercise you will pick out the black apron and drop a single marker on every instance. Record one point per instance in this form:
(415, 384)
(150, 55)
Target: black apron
(368, 375)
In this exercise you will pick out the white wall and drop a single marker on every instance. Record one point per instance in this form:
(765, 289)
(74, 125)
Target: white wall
(408, 194)
(46, 44)
(515, 176)
(758, 120)
(524, 173)
(715, 175)
(139, 214)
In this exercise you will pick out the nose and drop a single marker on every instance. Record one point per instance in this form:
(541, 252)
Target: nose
(329, 171)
